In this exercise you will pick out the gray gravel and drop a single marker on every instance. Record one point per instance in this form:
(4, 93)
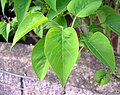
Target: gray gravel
(24, 81)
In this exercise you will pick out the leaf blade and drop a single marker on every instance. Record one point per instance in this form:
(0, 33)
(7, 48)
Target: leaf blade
(21, 7)
(60, 6)
(30, 22)
(61, 50)
(83, 8)
(52, 4)
(102, 77)
(39, 61)
(3, 2)
(100, 46)
(99, 75)
(114, 22)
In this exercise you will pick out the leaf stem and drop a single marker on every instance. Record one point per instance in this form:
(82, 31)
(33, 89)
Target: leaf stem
(81, 48)
(116, 6)
(91, 19)
(73, 21)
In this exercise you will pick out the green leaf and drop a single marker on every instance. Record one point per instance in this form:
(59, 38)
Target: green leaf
(51, 14)
(94, 27)
(14, 22)
(52, 4)
(100, 46)
(60, 6)
(21, 7)
(105, 80)
(51, 24)
(38, 2)
(39, 31)
(39, 62)
(104, 12)
(102, 77)
(34, 9)
(32, 21)
(114, 22)
(99, 75)
(57, 22)
(61, 21)
(3, 2)
(5, 30)
(2, 27)
(61, 50)
(83, 8)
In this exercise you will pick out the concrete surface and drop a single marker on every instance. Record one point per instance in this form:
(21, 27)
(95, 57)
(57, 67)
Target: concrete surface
(17, 76)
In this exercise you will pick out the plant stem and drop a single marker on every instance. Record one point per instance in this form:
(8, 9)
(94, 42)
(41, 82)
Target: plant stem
(116, 6)
(81, 48)
(91, 19)
(73, 21)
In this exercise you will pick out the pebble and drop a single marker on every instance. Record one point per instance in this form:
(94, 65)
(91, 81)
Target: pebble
(80, 81)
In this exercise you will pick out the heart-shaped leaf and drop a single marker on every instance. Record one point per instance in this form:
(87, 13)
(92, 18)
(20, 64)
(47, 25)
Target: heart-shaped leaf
(100, 46)
(83, 8)
(30, 22)
(61, 50)
(39, 61)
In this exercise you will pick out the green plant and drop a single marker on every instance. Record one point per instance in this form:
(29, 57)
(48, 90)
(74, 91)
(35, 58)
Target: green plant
(59, 49)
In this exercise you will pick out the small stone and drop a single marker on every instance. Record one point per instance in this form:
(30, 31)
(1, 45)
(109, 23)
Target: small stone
(82, 86)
